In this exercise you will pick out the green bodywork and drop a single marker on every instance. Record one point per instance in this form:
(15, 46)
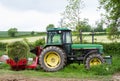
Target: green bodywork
(88, 46)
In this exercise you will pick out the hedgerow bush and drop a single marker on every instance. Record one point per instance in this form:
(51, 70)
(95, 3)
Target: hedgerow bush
(39, 42)
(108, 48)
(3, 46)
(18, 49)
(111, 48)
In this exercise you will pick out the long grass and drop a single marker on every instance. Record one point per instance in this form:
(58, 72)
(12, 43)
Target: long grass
(2, 52)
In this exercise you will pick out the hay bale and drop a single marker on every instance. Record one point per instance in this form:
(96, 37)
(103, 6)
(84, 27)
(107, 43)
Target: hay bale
(17, 50)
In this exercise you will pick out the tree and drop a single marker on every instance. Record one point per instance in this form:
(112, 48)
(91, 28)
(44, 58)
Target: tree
(84, 26)
(99, 26)
(12, 32)
(50, 26)
(71, 15)
(32, 33)
(112, 8)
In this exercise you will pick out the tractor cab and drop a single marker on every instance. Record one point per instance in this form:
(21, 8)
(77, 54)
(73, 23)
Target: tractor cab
(58, 36)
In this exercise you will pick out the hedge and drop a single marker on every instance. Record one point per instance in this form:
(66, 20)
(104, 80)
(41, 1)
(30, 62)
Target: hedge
(109, 48)
(3, 46)
(39, 42)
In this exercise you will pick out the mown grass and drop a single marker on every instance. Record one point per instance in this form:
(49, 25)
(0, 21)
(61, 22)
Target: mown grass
(71, 71)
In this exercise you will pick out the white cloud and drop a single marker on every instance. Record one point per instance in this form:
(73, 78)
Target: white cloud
(28, 16)
(39, 5)
(26, 20)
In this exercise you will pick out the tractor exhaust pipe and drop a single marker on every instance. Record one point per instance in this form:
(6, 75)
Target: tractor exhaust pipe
(93, 37)
(80, 36)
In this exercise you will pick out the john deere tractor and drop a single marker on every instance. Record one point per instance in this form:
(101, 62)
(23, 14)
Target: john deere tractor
(60, 51)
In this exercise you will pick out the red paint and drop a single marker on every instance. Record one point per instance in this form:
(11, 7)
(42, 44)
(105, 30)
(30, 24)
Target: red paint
(20, 65)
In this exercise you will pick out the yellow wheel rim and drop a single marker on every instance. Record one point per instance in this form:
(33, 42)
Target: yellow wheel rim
(95, 61)
(52, 59)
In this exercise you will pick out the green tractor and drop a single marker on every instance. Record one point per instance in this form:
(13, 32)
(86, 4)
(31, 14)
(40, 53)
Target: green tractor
(60, 51)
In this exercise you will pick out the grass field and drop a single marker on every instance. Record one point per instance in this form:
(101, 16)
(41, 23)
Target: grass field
(102, 38)
(4, 37)
(30, 39)
(21, 35)
(5, 33)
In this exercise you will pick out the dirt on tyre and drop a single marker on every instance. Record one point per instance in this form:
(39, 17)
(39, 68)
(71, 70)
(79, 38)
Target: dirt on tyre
(93, 60)
(52, 59)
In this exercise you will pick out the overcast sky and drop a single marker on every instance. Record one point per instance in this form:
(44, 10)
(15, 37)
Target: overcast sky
(35, 15)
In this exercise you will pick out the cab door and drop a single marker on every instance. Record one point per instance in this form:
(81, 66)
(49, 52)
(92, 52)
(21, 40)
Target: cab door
(67, 41)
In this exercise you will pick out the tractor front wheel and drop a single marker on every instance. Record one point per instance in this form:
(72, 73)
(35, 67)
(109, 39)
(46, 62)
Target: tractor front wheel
(93, 60)
(52, 59)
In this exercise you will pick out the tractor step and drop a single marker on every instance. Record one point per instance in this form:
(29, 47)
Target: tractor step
(73, 57)
(80, 58)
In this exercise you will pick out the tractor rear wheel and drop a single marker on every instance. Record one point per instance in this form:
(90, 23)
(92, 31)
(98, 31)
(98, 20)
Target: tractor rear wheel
(52, 59)
(93, 60)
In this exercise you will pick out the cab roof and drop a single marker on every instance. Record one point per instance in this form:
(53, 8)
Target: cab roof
(58, 29)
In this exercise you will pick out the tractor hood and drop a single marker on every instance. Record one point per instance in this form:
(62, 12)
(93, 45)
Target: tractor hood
(88, 46)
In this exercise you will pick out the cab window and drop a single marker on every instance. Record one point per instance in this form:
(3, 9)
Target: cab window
(54, 37)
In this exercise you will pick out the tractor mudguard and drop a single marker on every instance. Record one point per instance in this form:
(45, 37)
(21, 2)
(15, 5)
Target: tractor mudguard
(37, 50)
(90, 52)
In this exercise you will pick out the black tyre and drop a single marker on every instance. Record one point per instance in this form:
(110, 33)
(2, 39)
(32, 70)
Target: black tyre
(52, 59)
(93, 60)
